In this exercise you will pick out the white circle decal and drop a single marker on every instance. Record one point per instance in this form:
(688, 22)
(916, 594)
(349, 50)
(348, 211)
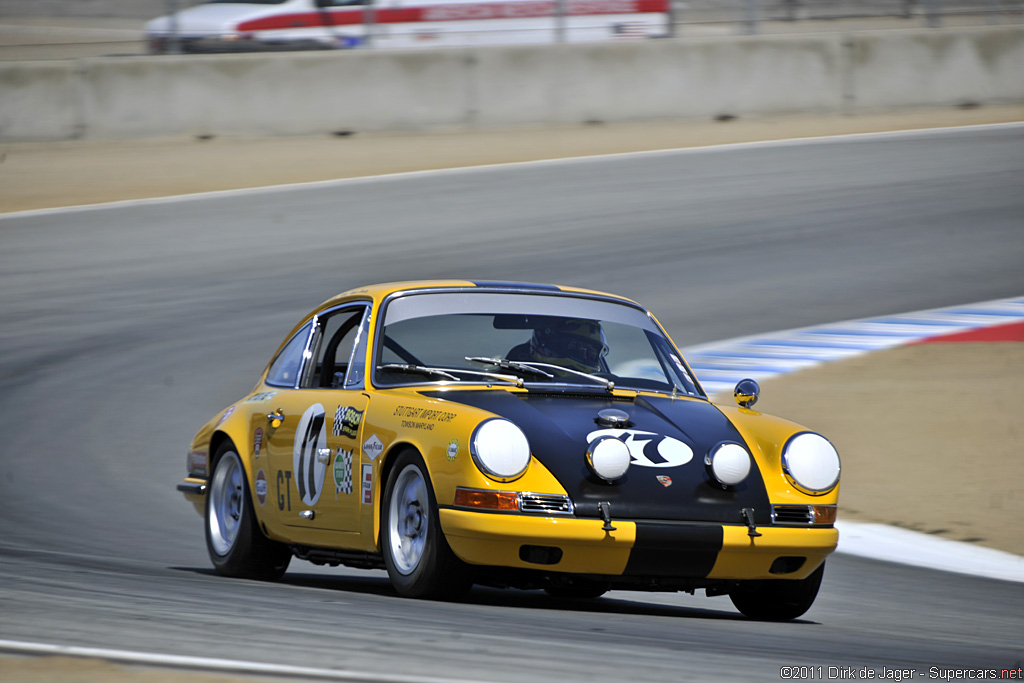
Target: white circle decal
(647, 449)
(310, 436)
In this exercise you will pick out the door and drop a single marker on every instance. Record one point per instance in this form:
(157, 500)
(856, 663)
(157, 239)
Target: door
(314, 453)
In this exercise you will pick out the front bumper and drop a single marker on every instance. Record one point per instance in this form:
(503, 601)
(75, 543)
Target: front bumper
(195, 493)
(641, 549)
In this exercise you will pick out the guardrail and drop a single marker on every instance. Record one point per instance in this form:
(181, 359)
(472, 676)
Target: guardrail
(468, 88)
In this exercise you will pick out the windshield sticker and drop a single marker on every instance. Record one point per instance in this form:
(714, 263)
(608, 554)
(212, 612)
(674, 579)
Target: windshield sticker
(261, 487)
(373, 447)
(346, 421)
(647, 449)
(367, 484)
(342, 472)
(310, 472)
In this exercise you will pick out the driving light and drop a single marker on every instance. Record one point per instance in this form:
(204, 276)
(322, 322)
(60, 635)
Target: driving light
(608, 458)
(728, 463)
(500, 449)
(811, 463)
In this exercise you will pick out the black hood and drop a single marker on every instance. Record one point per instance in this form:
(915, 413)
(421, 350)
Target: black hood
(668, 437)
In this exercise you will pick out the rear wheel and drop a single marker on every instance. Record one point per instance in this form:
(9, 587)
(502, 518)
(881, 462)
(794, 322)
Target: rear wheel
(419, 561)
(778, 600)
(233, 539)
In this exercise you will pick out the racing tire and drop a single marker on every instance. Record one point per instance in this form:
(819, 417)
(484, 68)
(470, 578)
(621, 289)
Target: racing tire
(419, 561)
(234, 541)
(778, 600)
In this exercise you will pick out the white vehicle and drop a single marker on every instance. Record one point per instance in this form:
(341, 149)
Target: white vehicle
(231, 25)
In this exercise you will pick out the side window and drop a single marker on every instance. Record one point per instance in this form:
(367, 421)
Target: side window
(285, 368)
(337, 334)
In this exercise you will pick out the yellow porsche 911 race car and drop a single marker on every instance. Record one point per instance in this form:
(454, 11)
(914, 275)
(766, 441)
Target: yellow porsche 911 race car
(514, 435)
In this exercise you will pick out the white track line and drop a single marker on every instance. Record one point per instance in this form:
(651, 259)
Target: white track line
(902, 546)
(228, 666)
(680, 151)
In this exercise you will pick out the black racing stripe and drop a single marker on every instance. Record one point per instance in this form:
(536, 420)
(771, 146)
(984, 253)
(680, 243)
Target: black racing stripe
(557, 428)
(676, 550)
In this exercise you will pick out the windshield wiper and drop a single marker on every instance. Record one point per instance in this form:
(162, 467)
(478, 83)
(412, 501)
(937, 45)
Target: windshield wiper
(447, 372)
(536, 367)
(509, 365)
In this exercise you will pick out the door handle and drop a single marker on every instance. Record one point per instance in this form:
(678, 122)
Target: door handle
(275, 418)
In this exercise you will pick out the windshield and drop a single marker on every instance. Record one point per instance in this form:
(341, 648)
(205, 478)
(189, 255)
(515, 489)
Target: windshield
(535, 340)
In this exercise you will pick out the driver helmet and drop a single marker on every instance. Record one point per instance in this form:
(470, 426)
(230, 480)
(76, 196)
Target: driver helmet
(570, 342)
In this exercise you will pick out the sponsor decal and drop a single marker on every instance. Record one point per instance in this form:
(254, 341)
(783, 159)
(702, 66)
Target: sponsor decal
(648, 449)
(342, 472)
(310, 472)
(663, 480)
(284, 500)
(425, 413)
(373, 447)
(367, 480)
(197, 461)
(261, 397)
(453, 449)
(227, 413)
(346, 421)
(422, 418)
(261, 487)
(257, 442)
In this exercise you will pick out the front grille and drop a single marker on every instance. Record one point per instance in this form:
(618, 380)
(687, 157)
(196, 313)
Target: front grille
(545, 503)
(792, 514)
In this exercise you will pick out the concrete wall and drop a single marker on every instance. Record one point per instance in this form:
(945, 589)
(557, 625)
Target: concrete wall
(320, 92)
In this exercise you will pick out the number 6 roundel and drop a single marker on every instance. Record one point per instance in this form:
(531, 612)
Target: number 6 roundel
(310, 435)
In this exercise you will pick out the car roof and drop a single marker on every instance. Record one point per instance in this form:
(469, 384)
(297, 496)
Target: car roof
(379, 292)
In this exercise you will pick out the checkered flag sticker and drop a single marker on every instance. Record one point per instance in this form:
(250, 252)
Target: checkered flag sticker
(343, 472)
(338, 414)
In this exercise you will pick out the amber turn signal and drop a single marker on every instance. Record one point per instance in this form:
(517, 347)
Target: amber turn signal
(824, 514)
(489, 500)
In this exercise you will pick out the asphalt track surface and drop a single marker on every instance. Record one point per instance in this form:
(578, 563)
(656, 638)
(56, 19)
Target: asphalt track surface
(126, 327)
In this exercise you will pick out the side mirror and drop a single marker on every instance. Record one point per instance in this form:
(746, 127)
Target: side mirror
(746, 393)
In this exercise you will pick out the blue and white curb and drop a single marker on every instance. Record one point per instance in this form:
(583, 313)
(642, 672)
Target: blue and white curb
(720, 365)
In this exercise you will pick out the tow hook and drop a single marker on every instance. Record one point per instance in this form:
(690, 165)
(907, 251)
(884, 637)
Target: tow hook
(605, 510)
(748, 515)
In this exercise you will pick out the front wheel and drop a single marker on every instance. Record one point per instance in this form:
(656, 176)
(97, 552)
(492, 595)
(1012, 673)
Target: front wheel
(419, 561)
(233, 540)
(778, 600)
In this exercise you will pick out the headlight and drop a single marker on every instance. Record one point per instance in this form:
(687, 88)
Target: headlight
(500, 449)
(608, 458)
(811, 463)
(728, 463)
